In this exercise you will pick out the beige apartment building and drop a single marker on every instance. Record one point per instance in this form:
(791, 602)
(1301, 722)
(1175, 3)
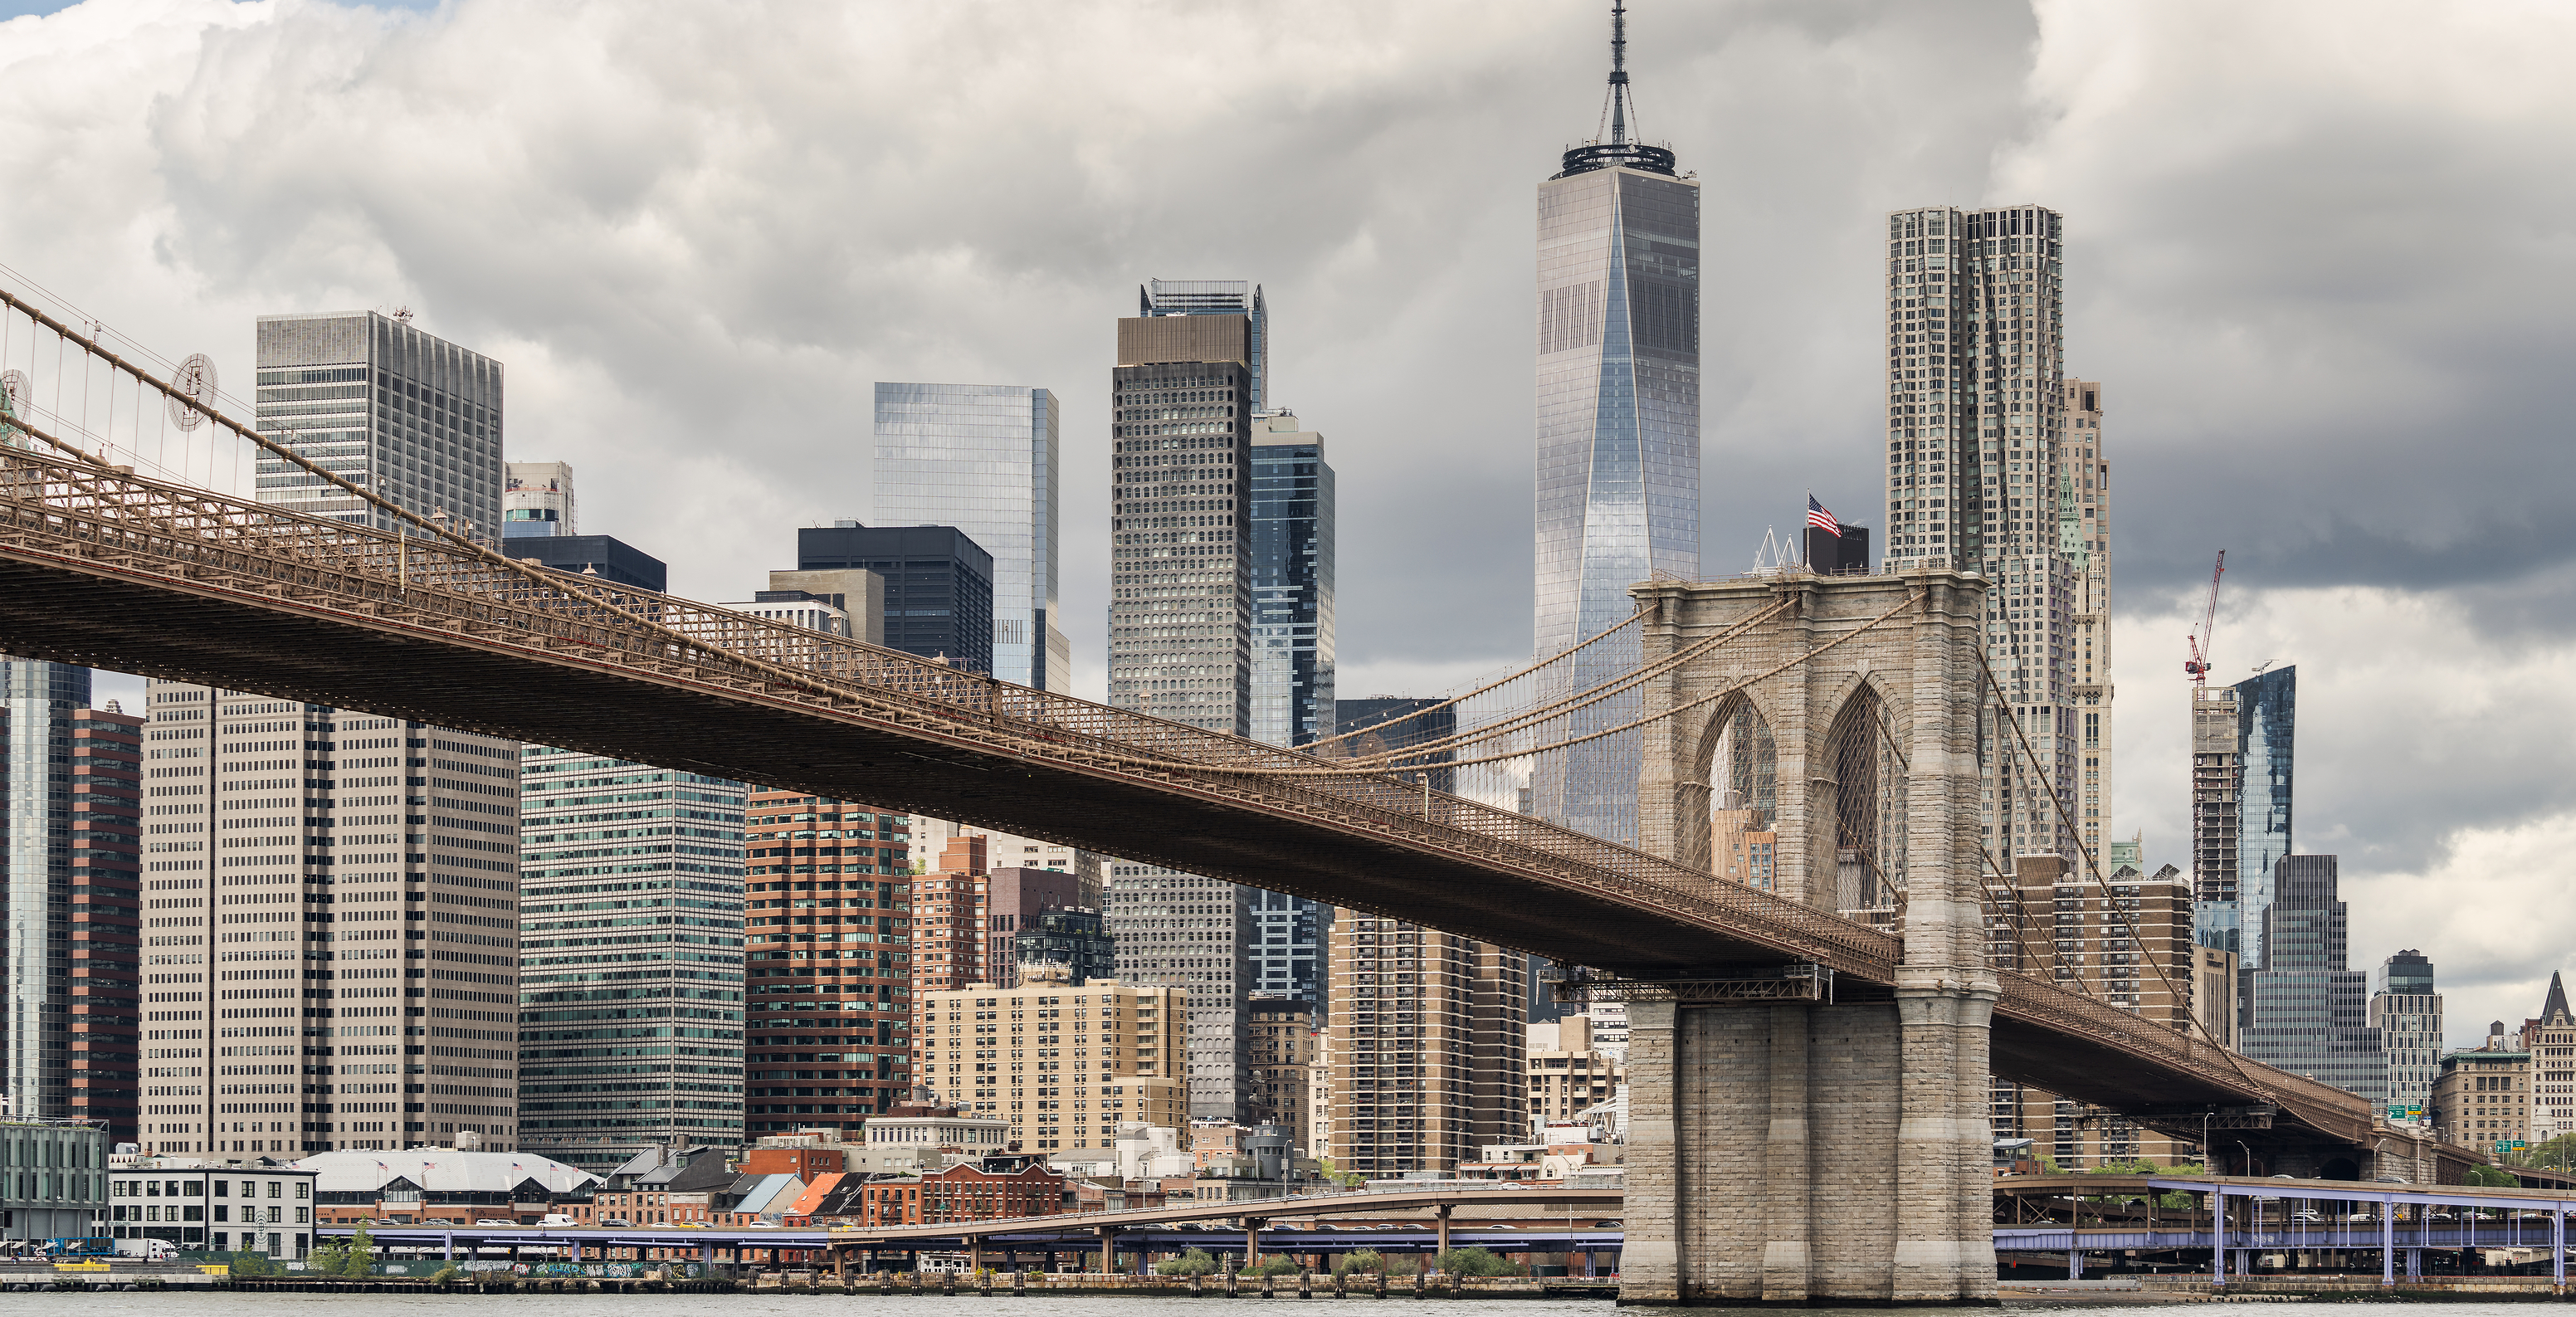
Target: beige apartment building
(1427, 1034)
(2129, 946)
(1063, 1064)
(1566, 1076)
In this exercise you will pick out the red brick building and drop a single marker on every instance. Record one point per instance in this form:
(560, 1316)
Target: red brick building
(107, 881)
(948, 909)
(828, 963)
(997, 1188)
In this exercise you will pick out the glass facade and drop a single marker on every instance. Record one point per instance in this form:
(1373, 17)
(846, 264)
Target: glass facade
(985, 458)
(630, 957)
(406, 415)
(1618, 447)
(1292, 583)
(40, 702)
(938, 585)
(2303, 1011)
(2266, 720)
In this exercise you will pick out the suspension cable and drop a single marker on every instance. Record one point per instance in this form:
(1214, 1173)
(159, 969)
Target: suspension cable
(1496, 684)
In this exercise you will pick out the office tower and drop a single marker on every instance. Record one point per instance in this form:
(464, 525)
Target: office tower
(2125, 941)
(40, 703)
(984, 458)
(1076, 939)
(1181, 930)
(2242, 739)
(1081, 1058)
(1180, 636)
(1292, 662)
(1016, 899)
(1618, 428)
(1393, 722)
(2301, 1009)
(1429, 1047)
(1292, 583)
(604, 556)
(1841, 551)
(938, 585)
(2266, 723)
(829, 952)
(1220, 297)
(1995, 463)
(365, 862)
(855, 592)
(2551, 1041)
(408, 416)
(2407, 1012)
(106, 938)
(799, 608)
(536, 500)
(635, 1041)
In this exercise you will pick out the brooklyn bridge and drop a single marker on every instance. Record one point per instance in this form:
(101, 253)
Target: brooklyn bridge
(1809, 1091)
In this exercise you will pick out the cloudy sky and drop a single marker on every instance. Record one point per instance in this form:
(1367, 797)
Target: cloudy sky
(2320, 256)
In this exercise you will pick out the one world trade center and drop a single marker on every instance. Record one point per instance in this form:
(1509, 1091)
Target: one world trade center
(1618, 430)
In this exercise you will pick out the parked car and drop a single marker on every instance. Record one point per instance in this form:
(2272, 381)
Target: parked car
(2308, 1216)
(616, 1223)
(489, 1221)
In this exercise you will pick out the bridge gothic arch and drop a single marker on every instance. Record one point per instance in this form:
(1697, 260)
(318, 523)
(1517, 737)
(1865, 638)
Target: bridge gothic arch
(1818, 1145)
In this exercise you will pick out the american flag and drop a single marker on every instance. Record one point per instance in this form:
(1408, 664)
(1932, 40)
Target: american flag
(1819, 518)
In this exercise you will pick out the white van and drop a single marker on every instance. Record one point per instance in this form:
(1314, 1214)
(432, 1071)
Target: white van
(556, 1220)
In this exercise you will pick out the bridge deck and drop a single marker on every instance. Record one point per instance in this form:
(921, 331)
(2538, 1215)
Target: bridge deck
(103, 569)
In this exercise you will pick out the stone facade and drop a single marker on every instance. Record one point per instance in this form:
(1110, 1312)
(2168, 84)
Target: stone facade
(1833, 1151)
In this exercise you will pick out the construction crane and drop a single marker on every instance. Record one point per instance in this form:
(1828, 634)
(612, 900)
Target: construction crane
(2203, 640)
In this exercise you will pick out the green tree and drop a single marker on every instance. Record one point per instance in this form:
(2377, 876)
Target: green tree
(1359, 1261)
(244, 1266)
(1196, 1262)
(1277, 1264)
(359, 1258)
(329, 1257)
(2492, 1178)
(1479, 1262)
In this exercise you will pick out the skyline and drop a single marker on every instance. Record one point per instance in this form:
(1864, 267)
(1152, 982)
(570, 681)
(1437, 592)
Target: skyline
(2418, 599)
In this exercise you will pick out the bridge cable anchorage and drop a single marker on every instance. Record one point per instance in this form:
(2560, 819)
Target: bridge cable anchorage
(601, 596)
(2021, 739)
(1910, 601)
(1411, 754)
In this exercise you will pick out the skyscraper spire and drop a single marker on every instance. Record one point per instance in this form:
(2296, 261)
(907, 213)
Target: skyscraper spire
(1618, 73)
(1610, 148)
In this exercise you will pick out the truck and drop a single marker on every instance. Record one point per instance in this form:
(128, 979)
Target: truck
(150, 1250)
(96, 1247)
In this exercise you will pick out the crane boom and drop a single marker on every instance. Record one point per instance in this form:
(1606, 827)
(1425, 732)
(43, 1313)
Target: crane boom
(2204, 640)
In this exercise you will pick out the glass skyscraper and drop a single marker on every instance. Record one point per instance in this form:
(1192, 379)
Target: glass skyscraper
(1618, 429)
(2266, 719)
(984, 458)
(1292, 583)
(39, 701)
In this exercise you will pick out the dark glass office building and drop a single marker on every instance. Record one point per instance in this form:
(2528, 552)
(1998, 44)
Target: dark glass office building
(1076, 939)
(2303, 1010)
(1292, 583)
(611, 558)
(938, 585)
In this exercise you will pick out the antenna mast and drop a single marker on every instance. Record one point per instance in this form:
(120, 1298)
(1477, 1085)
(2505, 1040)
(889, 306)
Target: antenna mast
(1618, 73)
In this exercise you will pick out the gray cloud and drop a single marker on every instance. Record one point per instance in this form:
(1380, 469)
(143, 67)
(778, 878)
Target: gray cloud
(2321, 281)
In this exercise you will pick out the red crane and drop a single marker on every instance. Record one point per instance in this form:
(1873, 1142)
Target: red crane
(2202, 641)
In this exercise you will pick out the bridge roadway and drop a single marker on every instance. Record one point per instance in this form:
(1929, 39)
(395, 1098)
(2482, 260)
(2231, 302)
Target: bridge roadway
(99, 567)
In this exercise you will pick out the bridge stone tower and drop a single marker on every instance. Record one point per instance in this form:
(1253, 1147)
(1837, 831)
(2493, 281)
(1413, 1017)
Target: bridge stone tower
(1832, 1145)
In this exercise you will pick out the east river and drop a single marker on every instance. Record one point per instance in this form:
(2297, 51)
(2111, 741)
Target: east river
(1095, 1304)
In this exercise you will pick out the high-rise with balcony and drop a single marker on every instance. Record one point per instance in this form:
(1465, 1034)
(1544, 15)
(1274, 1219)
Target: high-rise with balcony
(1996, 463)
(399, 412)
(985, 459)
(1618, 467)
(1429, 1037)
(829, 931)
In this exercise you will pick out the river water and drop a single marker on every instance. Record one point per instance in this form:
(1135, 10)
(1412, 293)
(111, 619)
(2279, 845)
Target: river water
(1096, 1304)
